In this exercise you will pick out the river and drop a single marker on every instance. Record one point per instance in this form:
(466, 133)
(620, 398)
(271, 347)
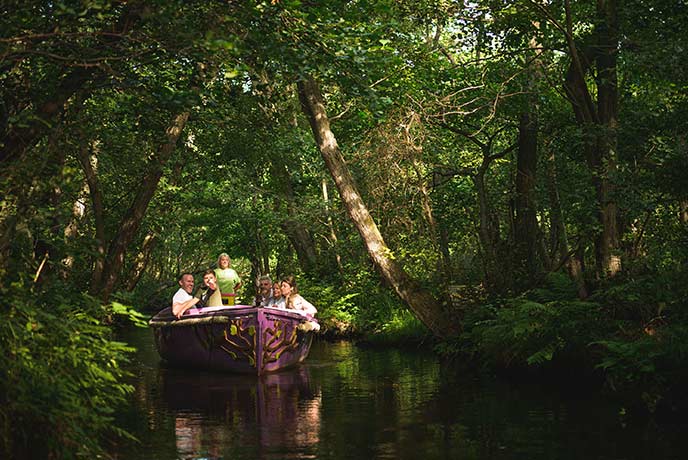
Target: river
(348, 402)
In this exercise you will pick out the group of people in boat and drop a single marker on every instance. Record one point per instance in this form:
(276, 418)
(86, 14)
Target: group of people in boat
(221, 284)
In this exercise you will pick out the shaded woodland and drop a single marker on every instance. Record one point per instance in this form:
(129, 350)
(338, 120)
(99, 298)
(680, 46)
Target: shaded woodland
(505, 177)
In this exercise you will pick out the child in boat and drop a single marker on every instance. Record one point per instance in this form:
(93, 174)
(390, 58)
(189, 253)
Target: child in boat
(277, 300)
(210, 296)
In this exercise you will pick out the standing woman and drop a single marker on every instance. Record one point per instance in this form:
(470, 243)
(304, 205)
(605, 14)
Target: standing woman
(227, 278)
(293, 299)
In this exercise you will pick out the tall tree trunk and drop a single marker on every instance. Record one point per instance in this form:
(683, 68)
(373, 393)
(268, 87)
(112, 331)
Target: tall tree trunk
(526, 228)
(496, 263)
(420, 301)
(134, 215)
(608, 110)
(599, 124)
(260, 254)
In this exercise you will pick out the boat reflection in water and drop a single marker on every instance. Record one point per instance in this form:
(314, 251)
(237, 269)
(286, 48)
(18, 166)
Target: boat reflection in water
(224, 415)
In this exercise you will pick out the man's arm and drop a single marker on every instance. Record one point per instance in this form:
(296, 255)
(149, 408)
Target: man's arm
(178, 308)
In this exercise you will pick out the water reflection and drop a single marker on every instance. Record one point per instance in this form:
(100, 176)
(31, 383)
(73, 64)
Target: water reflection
(213, 411)
(347, 402)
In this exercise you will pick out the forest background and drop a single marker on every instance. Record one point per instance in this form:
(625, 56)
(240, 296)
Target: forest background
(503, 181)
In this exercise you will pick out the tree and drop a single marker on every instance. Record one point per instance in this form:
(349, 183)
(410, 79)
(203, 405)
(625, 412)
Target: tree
(424, 306)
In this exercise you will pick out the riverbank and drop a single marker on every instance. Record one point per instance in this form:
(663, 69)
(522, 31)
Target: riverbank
(629, 339)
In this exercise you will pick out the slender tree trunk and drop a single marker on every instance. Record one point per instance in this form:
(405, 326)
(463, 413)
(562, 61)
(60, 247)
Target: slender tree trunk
(526, 225)
(72, 230)
(559, 236)
(330, 226)
(497, 269)
(132, 219)
(442, 250)
(421, 302)
(89, 164)
(297, 233)
(141, 262)
(526, 229)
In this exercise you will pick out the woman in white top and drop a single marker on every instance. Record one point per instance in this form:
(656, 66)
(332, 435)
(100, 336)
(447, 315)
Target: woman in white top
(293, 299)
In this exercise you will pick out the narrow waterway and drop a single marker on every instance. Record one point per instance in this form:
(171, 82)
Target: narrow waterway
(348, 402)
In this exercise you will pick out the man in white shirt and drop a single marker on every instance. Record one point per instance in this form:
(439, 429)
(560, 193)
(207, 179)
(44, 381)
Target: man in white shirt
(183, 300)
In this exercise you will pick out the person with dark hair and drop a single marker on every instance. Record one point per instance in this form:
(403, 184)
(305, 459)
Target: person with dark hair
(293, 299)
(210, 295)
(183, 300)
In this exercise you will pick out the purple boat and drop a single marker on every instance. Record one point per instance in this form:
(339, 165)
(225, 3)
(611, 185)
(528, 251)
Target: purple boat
(240, 338)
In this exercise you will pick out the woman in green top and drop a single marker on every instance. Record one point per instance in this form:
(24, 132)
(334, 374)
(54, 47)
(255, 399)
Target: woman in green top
(227, 279)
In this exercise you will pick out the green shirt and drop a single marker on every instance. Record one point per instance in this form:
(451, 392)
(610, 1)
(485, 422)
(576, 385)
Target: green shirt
(226, 279)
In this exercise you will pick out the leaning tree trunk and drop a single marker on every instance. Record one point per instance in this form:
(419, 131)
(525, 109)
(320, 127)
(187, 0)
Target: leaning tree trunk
(420, 301)
(132, 220)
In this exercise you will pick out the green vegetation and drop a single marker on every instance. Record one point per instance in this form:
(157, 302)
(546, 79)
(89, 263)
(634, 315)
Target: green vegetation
(504, 177)
(62, 372)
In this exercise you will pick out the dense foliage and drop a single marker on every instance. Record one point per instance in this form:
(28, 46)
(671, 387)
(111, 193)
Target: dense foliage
(62, 372)
(522, 160)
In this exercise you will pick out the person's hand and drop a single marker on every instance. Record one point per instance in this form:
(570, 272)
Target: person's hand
(190, 304)
(182, 311)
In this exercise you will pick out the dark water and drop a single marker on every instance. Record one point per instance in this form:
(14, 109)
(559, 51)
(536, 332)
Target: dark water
(347, 402)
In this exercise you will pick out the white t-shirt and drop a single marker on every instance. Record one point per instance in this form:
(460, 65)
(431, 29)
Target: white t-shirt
(181, 296)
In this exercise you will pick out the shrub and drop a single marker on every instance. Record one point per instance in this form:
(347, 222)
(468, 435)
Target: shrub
(62, 374)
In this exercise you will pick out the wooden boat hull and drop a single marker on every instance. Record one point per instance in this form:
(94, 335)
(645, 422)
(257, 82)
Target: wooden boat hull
(240, 339)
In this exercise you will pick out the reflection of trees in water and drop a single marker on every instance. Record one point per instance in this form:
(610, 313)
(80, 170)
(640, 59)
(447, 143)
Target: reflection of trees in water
(273, 410)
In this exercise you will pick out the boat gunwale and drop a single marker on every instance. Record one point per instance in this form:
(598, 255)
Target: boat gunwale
(220, 315)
